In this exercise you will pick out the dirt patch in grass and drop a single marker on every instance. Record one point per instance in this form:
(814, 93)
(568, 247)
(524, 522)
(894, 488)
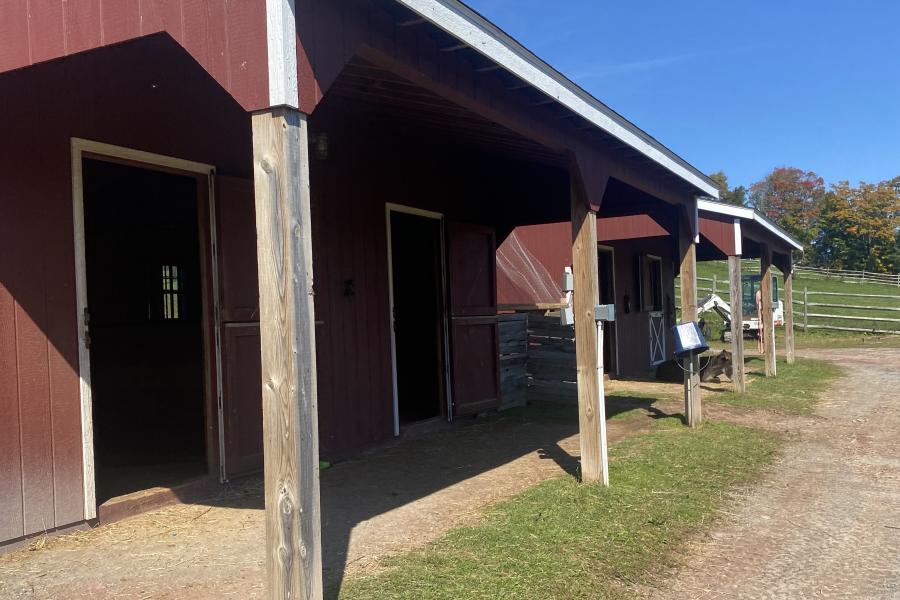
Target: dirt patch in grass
(561, 539)
(795, 390)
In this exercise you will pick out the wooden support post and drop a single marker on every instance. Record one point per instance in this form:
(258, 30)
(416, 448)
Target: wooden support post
(737, 324)
(693, 408)
(714, 284)
(586, 296)
(805, 309)
(767, 324)
(789, 309)
(290, 424)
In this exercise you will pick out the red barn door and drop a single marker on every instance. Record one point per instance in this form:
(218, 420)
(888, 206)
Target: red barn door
(475, 351)
(241, 410)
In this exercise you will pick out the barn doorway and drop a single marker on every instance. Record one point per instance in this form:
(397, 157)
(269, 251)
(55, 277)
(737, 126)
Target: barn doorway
(418, 315)
(606, 263)
(144, 325)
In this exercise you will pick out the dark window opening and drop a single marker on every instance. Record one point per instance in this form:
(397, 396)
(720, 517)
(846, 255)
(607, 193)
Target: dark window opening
(172, 298)
(650, 278)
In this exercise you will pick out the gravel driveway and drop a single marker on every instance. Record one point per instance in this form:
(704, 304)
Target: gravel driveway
(825, 522)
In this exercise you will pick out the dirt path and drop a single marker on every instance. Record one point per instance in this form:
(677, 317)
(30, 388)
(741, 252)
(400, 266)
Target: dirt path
(389, 501)
(825, 521)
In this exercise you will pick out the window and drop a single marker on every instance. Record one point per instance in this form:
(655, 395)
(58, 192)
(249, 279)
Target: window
(650, 279)
(172, 301)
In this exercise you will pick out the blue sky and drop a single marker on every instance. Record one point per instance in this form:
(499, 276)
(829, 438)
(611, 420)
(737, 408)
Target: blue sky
(738, 86)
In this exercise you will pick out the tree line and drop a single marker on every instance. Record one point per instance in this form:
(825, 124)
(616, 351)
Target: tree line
(840, 226)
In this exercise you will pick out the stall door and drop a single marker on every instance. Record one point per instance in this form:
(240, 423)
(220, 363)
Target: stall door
(473, 318)
(657, 338)
(241, 428)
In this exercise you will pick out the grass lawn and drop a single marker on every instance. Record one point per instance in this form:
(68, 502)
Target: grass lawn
(794, 390)
(562, 539)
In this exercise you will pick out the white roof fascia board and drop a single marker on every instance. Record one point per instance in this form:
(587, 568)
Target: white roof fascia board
(748, 214)
(483, 36)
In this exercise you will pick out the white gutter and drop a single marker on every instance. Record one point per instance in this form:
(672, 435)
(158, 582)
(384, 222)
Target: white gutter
(747, 214)
(481, 35)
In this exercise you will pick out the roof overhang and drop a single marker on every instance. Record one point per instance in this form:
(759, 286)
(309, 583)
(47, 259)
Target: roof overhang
(484, 37)
(748, 215)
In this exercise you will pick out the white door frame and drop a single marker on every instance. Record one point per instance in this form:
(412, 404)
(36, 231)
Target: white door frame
(615, 338)
(81, 147)
(390, 207)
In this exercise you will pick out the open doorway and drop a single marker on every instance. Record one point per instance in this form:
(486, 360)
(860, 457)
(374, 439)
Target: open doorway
(144, 322)
(418, 315)
(606, 265)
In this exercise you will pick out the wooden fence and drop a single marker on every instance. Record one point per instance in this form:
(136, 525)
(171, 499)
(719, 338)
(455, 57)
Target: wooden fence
(833, 320)
(849, 275)
(829, 310)
(537, 359)
(513, 359)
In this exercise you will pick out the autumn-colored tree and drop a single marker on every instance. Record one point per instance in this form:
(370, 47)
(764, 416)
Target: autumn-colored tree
(858, 227)
(737, 196)
(792, 198)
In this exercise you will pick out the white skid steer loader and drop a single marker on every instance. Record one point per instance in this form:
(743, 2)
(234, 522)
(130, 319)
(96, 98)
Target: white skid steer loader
(751, 324)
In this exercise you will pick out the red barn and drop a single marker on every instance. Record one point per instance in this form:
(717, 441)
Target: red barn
(236, 225)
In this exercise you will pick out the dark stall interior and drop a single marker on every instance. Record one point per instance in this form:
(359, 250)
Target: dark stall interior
(145, 325)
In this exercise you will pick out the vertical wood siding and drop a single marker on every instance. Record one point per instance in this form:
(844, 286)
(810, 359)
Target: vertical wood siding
(41, 481)
(227, 38)
(719, 231)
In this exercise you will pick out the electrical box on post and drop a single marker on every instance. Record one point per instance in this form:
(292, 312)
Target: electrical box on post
(605, 312)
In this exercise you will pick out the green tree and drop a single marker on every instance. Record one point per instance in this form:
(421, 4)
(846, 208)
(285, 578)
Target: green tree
(737, 196)
(858, 227)
(792, 198)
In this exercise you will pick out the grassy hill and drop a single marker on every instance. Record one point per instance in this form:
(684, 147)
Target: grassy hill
(815, 284)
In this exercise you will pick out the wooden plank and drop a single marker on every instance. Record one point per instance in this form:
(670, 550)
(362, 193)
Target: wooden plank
(287, 328)
(853, 318)
(693, 408)
(853, 306)
(12, 515)
(768, 327)
(737, 324)
(587, 295)
(855, 295)
(789, 311)
(860, 329)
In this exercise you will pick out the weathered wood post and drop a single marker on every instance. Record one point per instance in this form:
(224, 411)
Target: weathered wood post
(290, 426)
(789, 308)
(693, 410)
(587, 295)
(737, 324)
(767, 323)
(714, 282)
(805, 309)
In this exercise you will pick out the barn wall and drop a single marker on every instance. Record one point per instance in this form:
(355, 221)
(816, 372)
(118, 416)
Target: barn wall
(227, 38)
(632, 324)
(550, 248)
(719, 231)
(164, 103)
(374, 160)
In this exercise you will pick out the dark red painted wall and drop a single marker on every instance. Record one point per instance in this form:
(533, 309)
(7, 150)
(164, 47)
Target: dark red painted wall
(227, 38)
(148, 95)
(719, 231)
